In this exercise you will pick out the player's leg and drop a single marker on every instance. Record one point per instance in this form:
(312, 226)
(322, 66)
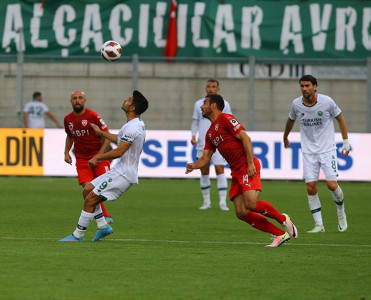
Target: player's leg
(221, 179)
(311, 168)
(330, 168)
(205, 184)
(99, 169)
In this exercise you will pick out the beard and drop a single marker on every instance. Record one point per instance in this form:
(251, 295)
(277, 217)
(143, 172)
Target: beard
(78, 109)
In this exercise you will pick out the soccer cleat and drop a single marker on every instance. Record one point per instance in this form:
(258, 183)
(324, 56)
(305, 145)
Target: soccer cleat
(290, 227)
(72, 238)
(279, 240)
(317, 229)
(102, 233)
(109, 220)
(205, 206)
(223, 207)
(343, 225)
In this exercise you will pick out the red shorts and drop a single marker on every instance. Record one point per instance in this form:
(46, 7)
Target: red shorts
(241, 182)
(84, 174)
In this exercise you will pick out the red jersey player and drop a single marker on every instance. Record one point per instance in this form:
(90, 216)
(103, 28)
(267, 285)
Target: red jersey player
(228, 136)
(86, 143)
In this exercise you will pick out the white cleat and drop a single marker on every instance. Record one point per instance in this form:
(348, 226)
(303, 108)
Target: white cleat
(223, 207)
(343, 225)
(317, 229)
(205, 206)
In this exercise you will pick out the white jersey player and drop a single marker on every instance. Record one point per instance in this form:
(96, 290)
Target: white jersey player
(315, 113)
(121, 177)
(201, 125)
(34, 113)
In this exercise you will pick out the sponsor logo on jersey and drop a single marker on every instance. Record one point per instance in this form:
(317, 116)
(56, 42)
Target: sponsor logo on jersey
(84, 122)
(70, 126)
(233, 122)
(320, 113)
(102, 122)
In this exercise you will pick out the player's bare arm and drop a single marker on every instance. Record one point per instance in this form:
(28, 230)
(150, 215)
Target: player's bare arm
(203, 161)
(344, 134)
(104, 146)
(113, 154)
(289, 126)
(247, 146)
(107, 135)
(67, 148)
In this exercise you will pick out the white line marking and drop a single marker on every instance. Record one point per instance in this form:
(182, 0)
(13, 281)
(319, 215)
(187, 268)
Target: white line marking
(196, 242)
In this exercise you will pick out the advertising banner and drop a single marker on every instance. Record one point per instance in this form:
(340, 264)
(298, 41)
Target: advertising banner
(228, 28)
(166, 152)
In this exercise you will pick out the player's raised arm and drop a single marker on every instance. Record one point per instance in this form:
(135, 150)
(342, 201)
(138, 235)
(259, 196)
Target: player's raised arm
(107, 135)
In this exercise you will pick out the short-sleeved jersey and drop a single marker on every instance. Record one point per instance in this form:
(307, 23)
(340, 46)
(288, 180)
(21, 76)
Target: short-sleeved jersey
(317, 132)
(86, 142)
(133, 132)
(36, 111)
(222, 136)
(203, 123)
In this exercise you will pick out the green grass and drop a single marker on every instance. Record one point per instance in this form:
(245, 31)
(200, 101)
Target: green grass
(163, 247)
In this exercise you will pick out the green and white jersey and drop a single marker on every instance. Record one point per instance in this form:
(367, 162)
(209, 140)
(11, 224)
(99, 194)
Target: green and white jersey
(317, 132)
(133, 132)
(36, 111)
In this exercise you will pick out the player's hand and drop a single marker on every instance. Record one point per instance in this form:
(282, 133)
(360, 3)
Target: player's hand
(251, 171)
(346, 148)
(68, 159)
(97, 130)
(286, 142)
(190, 167)
(193, 140)
(92, 162)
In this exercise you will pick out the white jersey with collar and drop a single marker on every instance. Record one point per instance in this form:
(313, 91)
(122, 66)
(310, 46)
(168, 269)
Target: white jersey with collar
(133, 132)
(203, 123)
(36, 111)
(317, 132)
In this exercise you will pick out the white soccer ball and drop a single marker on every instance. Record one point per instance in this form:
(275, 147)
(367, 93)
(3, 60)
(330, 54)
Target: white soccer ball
(111, 50)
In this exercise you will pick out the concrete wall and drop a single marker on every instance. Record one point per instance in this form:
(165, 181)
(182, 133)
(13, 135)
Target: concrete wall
(171, 89)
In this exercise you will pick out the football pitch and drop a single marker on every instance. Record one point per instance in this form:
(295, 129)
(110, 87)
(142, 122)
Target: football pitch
(164, 247)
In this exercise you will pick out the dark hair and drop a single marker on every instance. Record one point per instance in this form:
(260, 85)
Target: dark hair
(310, 78)
(36, 94)
(213, 80)
(140, 102)
(218, 99)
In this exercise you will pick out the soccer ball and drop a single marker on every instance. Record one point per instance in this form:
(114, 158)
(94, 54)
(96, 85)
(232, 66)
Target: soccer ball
(111, 50)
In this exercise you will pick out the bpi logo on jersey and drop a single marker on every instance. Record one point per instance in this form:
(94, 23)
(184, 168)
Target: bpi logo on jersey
(84, 122)
(70, 126)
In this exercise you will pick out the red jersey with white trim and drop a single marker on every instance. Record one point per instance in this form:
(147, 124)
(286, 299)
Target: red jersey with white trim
(222, 136)
(86, 142)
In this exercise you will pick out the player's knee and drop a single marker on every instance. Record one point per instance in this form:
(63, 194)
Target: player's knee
(332, 186)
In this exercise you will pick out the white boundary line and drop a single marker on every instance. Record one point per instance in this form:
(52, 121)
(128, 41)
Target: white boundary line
(195, 242)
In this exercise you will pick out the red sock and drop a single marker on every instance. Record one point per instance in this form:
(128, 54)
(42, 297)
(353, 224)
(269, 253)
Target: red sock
(267, 209)
(259, 222)
(104, 210)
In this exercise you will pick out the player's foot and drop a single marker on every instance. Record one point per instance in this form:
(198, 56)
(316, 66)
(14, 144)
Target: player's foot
(279, 240)
(205, 206)
(317, 229)
(290, 227)
(223, 207)
(109, 220)
(343, 225)
(102, 233)
(72, 238)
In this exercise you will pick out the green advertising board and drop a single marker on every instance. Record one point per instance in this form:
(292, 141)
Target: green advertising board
(215, 28)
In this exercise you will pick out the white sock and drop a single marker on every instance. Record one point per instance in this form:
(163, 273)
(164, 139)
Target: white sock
(99, 217)
(315, 209)
(338, 197)
(221, 182)
(205, 188)
(82, 225)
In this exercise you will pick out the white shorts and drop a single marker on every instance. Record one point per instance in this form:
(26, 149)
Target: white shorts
(111, 185)
(217, 159)
(312, 163)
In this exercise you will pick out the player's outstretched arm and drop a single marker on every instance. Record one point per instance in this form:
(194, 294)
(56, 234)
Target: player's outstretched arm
(107, 135)
(201, 162)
